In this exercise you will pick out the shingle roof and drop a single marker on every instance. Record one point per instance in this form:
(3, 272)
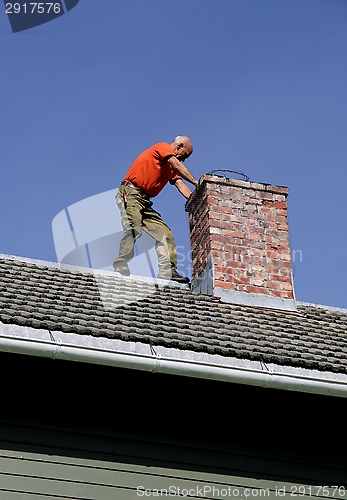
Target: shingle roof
(104, 305)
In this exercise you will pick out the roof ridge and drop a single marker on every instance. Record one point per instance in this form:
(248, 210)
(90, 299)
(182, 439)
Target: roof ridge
(146, 279)
(320, 306)
(91, 271)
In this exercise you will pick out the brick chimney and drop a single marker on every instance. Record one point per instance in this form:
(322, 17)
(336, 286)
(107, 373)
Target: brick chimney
(239, 240)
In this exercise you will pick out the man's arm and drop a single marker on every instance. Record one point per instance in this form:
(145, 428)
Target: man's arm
(181, 170)
(183, 188)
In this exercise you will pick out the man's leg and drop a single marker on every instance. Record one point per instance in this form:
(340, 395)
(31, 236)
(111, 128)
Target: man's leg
(130, 204)
(165, 245)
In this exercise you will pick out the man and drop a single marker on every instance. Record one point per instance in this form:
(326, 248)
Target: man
(147, 176)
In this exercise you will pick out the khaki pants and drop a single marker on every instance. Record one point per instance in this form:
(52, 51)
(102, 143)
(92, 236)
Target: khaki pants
(137, 215)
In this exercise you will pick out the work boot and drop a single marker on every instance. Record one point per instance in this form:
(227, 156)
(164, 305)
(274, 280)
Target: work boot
(172, 275)
(123, 270)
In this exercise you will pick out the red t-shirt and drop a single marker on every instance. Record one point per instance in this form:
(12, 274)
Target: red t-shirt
(150, 171)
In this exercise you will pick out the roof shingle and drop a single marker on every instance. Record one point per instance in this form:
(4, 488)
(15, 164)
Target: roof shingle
(103, 305)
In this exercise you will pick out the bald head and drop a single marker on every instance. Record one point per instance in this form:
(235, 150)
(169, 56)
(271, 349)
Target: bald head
(182, 146)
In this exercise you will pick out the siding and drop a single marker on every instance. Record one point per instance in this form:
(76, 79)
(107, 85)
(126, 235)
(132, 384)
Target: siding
(75, 431)
(28, 476)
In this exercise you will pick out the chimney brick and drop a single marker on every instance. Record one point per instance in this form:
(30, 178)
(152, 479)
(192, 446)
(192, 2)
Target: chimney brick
(239, 242)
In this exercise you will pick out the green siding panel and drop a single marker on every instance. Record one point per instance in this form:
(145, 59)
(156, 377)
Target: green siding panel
(99, 433)
(184, 455)
(31, 475)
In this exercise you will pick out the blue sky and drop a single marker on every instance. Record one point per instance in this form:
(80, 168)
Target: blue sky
(259, 86)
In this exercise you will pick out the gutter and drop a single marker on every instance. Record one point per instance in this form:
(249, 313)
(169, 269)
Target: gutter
(173, 366)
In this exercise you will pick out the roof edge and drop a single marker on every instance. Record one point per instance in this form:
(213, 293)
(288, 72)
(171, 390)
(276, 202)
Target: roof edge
(93, 271)
(27, 341)
(319, 306)
(89, 270)
(56, 265)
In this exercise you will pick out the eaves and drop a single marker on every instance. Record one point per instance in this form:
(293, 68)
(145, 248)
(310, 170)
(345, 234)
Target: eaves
(141, 356)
